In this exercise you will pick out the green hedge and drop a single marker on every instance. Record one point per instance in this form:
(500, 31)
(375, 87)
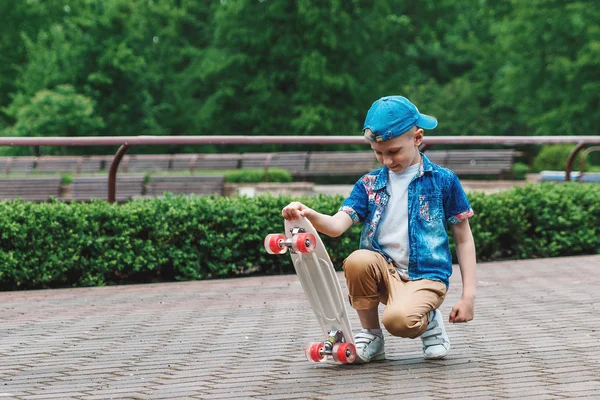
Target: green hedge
(176, 238)
(258, 175)
(544, 220)
(520, 171)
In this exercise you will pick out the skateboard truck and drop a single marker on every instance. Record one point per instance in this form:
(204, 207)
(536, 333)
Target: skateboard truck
(296, 230)
(335, 336)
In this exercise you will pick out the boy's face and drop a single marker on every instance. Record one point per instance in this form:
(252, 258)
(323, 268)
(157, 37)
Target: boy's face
(401, 152)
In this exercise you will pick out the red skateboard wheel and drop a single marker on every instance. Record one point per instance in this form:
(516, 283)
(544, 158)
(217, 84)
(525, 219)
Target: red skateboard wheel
(344, 353)
(314, 352)
(304, 242)
(273, 243)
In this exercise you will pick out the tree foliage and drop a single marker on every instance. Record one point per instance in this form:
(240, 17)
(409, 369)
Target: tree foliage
(302, 67)
(58, 112)
(550, 76)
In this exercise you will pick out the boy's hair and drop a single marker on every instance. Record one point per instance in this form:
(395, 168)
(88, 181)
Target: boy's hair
(392, 116)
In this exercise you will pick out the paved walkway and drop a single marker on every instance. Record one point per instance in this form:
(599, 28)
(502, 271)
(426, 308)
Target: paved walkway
(536, 335)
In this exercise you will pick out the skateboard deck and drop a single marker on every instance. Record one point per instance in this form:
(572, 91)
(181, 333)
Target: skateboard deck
(322, 288)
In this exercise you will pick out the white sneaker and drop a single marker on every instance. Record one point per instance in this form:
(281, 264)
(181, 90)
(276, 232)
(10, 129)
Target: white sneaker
(369, 348)
(436, 343)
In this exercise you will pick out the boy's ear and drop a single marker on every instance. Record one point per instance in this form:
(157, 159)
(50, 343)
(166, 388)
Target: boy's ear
(418, 136)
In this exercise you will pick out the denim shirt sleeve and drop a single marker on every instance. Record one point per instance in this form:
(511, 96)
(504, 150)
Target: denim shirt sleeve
(456, 205)
(356, 205)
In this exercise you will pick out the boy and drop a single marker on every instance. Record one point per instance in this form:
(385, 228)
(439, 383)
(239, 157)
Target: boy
(404, 259)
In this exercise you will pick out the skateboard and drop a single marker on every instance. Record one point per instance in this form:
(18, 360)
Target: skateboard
(322, 288)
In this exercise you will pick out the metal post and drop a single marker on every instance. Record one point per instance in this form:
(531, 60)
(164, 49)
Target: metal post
(112, 174)
(582, 161)
(570, 160)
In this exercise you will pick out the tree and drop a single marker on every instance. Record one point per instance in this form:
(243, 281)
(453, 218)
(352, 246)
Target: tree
(551, 67)
(122, 55)
(58, 112)
(19, 20)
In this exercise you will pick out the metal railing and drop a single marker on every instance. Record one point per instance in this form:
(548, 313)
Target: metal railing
(126, 142)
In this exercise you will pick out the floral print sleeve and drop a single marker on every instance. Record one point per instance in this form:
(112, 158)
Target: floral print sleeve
(456, 205)
(356, 205)
(350, 211)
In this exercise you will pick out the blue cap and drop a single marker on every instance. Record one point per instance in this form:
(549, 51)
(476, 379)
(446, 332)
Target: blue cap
(391, 116)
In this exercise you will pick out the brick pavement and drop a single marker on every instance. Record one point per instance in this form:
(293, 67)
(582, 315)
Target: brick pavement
(536, 336)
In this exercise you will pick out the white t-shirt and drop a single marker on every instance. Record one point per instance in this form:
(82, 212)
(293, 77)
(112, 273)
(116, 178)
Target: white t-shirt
(392, 234)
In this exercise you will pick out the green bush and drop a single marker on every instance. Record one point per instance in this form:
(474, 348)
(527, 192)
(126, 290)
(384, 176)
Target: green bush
(56, 244)
(66, 179)
(258, 175)
(520, 170)
(554, 158)
(544, 220)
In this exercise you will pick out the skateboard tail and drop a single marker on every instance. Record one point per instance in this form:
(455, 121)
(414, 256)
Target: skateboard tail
(317, 276)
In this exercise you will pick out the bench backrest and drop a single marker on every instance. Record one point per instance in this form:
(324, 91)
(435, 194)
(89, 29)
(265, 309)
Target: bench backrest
(201, 185)
(341, 163)
(37, 189)
(474, 162)
(293, 162)
(304, 164)
(145, 163)
(17, 165)
(85, 188)
(205, 162)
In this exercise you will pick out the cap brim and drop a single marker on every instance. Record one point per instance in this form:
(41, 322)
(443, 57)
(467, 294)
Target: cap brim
(426, 121)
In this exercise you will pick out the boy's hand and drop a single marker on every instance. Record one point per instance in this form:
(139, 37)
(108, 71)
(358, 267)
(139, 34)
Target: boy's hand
(462, 311)
(296, 210)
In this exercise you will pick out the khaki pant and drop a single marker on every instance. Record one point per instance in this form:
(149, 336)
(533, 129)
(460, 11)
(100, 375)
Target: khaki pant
(371, 280)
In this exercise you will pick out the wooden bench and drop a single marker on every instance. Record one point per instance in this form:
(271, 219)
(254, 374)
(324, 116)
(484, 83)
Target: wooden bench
(300, 164)
(4, 161)
(200, 185)
(85, 188)
(54, 164)
(295, 163)
(475, 162)
(205, 162)
(463, 162)
(58, 164)
(93, 164)
(437, 157)
(17, 165)
(326, 163)
(145, 163)
(36, 189)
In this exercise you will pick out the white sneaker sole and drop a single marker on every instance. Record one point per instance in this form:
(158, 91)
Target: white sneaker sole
(437, 357)
(378, 357)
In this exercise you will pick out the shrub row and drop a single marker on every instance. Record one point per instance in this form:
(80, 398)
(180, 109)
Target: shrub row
(60, 244)
(257, 175)
(544, 220)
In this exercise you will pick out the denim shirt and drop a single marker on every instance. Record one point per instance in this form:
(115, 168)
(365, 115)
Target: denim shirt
(435, 199)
